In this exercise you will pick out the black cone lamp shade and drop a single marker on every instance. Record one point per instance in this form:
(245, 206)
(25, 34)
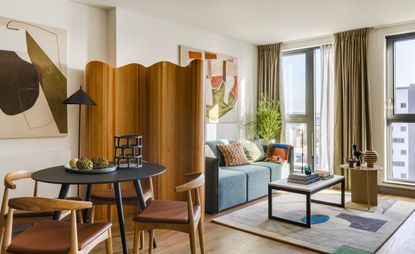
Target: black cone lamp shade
(79, 98)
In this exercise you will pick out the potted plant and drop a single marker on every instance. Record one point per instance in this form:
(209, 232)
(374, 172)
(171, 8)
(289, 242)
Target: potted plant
(268, 120)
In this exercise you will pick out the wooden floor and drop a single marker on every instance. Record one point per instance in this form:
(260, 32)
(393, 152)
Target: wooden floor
(220, 239)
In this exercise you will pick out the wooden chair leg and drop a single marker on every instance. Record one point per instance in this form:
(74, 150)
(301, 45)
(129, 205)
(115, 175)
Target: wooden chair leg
(141, 239)
(201, 242)
(150, 241)
(137, 239)
(92, 214)
(192, 237)
(80, 216)
(109, 213)
(108, 242)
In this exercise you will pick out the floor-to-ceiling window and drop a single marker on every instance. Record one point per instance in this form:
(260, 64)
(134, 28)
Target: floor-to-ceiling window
(301, 74)
(304, 89)
(401, 108)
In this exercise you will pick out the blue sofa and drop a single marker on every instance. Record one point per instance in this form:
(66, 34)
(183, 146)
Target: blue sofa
(226, 187)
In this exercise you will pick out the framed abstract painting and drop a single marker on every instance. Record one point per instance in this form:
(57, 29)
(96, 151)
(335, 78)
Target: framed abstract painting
(33, 80)
(221, 83)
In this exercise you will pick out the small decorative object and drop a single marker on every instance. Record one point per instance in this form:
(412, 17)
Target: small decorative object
(308, 170)
(100, 162)
(351, 162)
(84, 164)
(370, 158)
(358, 154)
(73, 162)
(128, 151)
(97, 165)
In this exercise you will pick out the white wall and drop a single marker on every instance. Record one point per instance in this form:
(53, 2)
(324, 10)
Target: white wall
(87, 40)
(146, 40)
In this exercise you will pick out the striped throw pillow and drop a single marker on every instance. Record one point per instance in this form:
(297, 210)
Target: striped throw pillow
(233, 154)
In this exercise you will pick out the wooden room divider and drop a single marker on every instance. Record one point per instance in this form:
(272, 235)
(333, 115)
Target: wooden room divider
(164, 103)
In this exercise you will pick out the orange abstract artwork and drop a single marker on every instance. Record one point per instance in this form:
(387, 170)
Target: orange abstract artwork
(221, 81)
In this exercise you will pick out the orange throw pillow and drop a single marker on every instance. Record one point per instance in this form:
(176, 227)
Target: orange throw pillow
(277, 155)
(233, 154)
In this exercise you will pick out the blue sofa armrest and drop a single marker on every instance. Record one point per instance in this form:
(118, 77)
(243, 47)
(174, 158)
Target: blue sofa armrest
(290, 154)
(211, 184)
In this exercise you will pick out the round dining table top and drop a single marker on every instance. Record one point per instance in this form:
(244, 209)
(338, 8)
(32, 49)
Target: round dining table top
(59, 175)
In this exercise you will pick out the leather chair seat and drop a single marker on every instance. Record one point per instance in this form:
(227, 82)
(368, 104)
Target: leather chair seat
(107, 196)
(53, 237)
(163, 211)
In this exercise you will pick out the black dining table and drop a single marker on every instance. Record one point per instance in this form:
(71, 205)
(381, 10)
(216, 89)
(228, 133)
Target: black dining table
(59, 175)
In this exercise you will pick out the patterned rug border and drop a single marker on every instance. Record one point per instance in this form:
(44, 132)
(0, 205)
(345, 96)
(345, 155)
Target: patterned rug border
(285, 239)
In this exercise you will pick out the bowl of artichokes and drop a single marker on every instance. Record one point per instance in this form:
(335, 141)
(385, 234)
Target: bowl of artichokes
(96, 165)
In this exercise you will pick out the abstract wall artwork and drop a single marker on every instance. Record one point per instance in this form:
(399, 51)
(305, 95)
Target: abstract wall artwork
(221, 82)
(32, 80)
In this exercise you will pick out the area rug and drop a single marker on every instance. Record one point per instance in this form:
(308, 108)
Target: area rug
(334, 229)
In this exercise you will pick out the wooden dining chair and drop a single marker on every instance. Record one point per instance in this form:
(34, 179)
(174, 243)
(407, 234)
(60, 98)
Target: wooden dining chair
(129, 197)
(51, 236)
(183, 216)
(23, 217)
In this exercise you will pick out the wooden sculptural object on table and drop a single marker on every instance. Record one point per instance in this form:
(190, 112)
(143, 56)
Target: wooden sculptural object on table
(164, 103)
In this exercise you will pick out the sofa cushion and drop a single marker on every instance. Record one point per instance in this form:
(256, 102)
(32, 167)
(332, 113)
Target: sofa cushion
(231, 189)
(213, 146)
(233, 154)
(253, 150)
(257, 179)
(278, 153)
(278, 171)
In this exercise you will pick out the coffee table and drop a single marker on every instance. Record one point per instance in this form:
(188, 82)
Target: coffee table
(307, 190)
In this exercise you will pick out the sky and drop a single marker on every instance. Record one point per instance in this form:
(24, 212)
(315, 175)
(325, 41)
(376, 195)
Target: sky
(405, 59)
(295, 81)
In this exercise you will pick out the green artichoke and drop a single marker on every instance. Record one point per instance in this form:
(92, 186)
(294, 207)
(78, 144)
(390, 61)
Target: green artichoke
(84, 164)
(100, 162)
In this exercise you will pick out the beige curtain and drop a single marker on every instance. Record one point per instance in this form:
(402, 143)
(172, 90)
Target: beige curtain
(270, 76)
(269, 70)
(353, 122)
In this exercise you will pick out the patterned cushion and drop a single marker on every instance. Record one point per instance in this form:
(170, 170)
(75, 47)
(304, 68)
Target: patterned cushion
(253, 151)
(233, 154)
(276, 154)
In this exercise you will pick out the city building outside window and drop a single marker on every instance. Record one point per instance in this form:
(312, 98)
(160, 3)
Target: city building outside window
(401, 108)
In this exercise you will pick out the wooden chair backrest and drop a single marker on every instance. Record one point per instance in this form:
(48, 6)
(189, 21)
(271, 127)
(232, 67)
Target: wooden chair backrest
(195, 184)
(44, 204)
(9, 183)
(38, 204)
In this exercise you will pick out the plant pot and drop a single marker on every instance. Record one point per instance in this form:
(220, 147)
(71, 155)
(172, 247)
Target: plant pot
(370, 158)
(267, 142)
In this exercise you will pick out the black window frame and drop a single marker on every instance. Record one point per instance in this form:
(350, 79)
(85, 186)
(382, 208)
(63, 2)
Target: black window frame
(391, 116)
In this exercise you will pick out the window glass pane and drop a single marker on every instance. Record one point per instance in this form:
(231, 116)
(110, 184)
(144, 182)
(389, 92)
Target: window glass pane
(404, 68)
(403, 143)
(294, 75)
(296, 135)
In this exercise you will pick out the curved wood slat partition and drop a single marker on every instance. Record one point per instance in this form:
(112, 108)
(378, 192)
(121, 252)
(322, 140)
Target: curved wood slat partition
(164, 103)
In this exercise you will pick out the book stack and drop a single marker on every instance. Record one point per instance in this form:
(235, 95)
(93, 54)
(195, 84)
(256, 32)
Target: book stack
(301, 178)
(324, 175)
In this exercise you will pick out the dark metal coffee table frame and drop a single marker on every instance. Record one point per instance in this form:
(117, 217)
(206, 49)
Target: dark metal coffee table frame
(308, 194)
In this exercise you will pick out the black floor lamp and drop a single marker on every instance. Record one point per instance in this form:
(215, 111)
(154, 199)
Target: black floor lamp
(80, 98)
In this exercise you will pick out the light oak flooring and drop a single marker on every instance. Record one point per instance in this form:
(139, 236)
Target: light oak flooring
(220, 239)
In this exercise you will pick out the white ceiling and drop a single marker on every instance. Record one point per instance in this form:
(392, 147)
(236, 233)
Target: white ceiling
(267, 21)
